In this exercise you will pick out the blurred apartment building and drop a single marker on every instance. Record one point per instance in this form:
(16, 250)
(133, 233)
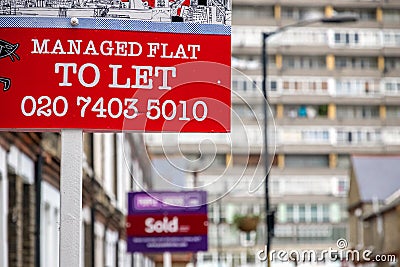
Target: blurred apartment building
(30, 198)
(334, 90)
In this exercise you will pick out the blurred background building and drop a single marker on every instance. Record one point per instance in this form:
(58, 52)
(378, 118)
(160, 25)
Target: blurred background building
(334, 90)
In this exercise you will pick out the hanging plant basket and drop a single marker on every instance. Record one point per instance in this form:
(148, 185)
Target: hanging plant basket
(247, 223)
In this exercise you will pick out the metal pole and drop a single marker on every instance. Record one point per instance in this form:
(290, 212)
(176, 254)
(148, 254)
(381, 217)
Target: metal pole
(219, 238)
(38, 188)
(71, 198)
(266, 163)
(195, 188)
(265, 35)
(167, 259)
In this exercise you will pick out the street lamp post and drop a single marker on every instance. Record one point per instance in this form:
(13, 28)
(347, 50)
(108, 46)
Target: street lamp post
(340, 18)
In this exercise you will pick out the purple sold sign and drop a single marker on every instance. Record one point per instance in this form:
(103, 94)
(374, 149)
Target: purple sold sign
(167, 221)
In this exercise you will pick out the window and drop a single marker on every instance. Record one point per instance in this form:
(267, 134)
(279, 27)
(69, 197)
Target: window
(289, 213)
(306, 86)
(356, 62)
(357, 112)
(306, 161)
(363, 14)
(342, 187)
(358, 136)
(392, 63)
(294, 111)
(295, 135)
(343, 162)
(392, 86)
(247, 112)
(392, 136)
(391, 15)
(289, 13)
(346, 38)
(273, 86)
(254, 135)
(248, 85)
(391, 38)
(367, 14)
(315, 135)
(302, 213)
(314, 212)
(303, 62)
(393, 112)
(252, 12)
(296, 13)
(356, 87)
(211, 212)
(325, 213)
(295, 36)
(249, 160)
(275, 187)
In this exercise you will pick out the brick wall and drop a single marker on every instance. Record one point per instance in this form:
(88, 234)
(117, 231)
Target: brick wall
(29, 230)
(15, 217)
(21, 223)
(88, 245)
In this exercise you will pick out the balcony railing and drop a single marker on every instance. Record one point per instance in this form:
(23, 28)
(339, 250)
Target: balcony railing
(250, 36)
(293, 85)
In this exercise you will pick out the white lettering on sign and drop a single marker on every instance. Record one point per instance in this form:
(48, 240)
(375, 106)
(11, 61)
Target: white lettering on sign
(161, 226)
(113, 48)
(65, 66)
(82, 68)
(147, 202)
(115, 108)
(73, 47)
(180, 52)
(142, 75)
(164, 71)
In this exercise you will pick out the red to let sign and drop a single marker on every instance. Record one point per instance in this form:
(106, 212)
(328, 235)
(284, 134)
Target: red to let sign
(114, 75)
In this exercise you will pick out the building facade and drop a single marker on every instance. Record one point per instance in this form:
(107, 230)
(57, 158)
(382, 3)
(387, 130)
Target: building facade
(30, 198)
(331, 93)
(333, 90)
(374, 209)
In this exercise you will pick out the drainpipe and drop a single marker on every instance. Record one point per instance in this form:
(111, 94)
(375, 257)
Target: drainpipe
(92, 207)
(38, 199)
(117, 249)
(92, 234)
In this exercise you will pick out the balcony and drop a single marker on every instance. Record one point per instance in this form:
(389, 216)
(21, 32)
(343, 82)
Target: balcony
(290, 89)
(309, 233)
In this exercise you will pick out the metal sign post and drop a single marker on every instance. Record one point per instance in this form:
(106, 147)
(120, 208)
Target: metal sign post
(71, 198)
(167, 259)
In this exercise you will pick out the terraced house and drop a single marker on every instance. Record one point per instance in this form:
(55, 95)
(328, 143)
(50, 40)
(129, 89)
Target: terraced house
(30, 198)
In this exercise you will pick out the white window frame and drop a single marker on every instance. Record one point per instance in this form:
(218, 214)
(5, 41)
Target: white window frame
(3, 208)
(359, 136)
(111, 248)
(50, 206)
